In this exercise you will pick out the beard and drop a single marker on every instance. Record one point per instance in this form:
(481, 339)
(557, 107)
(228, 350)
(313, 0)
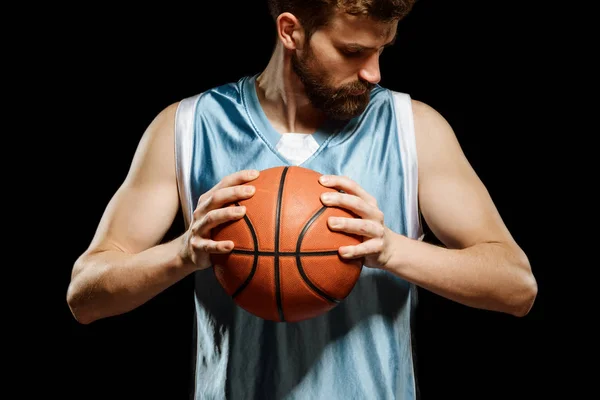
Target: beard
(338, 103)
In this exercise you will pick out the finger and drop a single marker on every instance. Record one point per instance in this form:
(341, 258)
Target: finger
(224, 196)
(371, 246)
(217, 217)
(212, 247)
(347, 185)
(237, 178)
(361, 227)
(353, 203)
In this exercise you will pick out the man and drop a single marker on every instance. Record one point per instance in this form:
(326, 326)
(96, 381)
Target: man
(394, 159)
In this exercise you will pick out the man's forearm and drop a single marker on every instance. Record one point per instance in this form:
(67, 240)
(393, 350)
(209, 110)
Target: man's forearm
(113, 282)
(489, 276)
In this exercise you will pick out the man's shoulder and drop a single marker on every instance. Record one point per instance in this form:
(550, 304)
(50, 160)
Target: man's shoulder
(227, 97)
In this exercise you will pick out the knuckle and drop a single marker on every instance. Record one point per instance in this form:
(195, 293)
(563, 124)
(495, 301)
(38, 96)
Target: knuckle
(217, 199)
(359, 250)
(374, 202)
(231, 177)
(355, 202)
(361, 206)
(208, 218)
(203, 205)
(197, 214)
(241, 191)
(363, 229)
(338, 223)
(198, 244)
(225, 182)
(195, 228)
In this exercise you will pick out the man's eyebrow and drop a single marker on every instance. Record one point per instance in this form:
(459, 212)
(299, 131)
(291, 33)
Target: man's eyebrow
(358, 46)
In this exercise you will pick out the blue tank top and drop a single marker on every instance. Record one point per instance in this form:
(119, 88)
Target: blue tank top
(361, 349)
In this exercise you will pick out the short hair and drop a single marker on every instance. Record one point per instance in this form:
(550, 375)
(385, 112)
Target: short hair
(314, 14)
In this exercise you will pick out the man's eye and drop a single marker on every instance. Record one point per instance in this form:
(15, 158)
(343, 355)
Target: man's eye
(351, 53)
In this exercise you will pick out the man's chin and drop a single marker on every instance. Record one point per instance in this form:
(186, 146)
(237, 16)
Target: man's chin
(347, 113)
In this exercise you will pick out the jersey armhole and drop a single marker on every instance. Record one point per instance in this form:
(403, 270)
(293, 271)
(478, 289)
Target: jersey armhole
(184, 140)
(408, 152)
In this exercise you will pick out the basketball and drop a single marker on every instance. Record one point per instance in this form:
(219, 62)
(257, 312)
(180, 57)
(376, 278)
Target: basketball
(285, 265)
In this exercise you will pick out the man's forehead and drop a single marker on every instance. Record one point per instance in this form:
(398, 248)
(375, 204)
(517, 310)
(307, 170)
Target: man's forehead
(350, 27)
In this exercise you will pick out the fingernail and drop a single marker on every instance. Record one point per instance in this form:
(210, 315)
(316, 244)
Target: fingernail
(253, 174)
(249, 189)
(240, 210)
(326, 197)
(334, 222)
(324, 179)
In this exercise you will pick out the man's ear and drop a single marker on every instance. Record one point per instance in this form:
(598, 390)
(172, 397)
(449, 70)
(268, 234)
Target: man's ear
(290, 31)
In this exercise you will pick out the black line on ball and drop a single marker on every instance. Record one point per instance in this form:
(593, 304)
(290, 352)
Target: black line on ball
(276, 255)
(255, 253)
(299, 259)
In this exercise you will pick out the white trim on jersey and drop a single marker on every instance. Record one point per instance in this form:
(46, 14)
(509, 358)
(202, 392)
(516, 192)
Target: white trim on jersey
(297, 147)
(184, 131)
(408, 153)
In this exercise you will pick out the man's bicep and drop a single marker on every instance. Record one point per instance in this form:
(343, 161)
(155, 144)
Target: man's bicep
(145, 205)
(459, 211)
(453, 200)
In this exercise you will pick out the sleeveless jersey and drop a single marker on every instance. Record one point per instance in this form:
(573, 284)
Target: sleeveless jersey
(361, 349)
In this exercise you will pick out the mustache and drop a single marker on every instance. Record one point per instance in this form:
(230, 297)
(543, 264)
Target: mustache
(355, 86)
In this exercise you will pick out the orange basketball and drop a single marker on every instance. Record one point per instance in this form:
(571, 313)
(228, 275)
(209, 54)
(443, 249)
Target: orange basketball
(285, 264)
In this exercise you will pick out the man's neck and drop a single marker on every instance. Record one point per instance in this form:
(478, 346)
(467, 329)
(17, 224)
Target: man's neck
(282, 97)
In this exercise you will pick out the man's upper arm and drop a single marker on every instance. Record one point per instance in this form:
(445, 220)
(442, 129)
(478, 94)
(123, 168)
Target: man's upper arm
(453, 200)
(145, 205)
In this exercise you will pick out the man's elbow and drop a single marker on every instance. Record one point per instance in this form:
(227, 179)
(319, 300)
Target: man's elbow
(527, 290)
(79, 296)
(526, 297)
(77, 306)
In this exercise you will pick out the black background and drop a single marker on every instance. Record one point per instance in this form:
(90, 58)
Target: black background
(476, 62)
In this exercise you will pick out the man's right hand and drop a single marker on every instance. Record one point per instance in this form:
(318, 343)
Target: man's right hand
(210, 212)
